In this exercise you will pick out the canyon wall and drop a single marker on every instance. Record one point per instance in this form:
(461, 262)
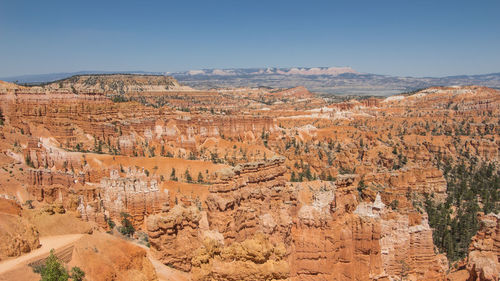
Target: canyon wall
(326, 230)
(483, 262)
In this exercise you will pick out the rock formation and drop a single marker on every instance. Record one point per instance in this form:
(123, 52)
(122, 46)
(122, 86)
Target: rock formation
(252, 183)
(251, 198)
(250, 260)
(483, 262)
(134, 195)
(325, 231)
(17, 235)
(342, 238)
(104, 257)
(174, 236)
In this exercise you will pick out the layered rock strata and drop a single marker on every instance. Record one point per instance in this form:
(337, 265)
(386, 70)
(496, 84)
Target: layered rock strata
(483, 262)
(327, 232)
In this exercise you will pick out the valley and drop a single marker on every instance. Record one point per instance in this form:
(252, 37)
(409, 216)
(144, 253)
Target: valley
(163, 181)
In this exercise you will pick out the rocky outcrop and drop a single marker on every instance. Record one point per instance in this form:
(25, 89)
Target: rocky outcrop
(339, 238)
(349, 240)
(253, 259)
(483, 262)
(8, 206)
(463, 99)
(328, 241)
(407, 247)
(326, 231)
(17, 235)
(134, 194)
(53, 186)
(251, 198)
(104, 257)
(296, 92)
(175, 235)
(123, 126)
(406, 186)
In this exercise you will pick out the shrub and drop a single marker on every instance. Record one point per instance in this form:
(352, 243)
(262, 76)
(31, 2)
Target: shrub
(29, 204)
(188, 176)
(2, 119)
(77, 274)
(111, 223)
(54, 270)
(394, 204)
(126, 228)
(200, 178)
(173, 177)
(29, 163)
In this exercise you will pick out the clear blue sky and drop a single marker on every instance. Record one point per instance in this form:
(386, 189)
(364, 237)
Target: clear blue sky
(414, 38)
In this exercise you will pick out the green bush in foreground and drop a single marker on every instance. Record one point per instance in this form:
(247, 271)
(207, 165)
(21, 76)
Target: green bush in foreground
(54, 270)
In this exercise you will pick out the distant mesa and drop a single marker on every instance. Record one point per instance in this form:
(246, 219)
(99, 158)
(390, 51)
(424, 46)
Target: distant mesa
(101, 84)
(333, 71)
(317, 71)
(326, 80)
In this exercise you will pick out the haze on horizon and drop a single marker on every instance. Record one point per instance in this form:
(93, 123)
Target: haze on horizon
(424, 38)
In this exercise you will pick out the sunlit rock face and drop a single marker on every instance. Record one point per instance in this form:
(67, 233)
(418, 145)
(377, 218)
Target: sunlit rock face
(252, 183)
(327, 233)
(484, 250)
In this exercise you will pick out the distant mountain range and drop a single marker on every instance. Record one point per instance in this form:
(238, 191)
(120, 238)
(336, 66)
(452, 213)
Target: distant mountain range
(50, 77)
(328, 80)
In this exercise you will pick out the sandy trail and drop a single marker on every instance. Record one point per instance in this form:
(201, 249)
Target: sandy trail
(48, 243)
(56, 242)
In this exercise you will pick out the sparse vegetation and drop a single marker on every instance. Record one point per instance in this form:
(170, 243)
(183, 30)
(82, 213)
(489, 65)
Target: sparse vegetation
(110, 223)
(2, 118)
(126, 228)
(28, 161)
(54, 270)
(200, 177)
(470, 189)
(173, 177)
(119, 98)
(188, 177)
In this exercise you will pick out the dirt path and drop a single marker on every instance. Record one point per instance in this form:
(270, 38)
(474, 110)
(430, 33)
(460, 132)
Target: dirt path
(48, 243)
(17, 265)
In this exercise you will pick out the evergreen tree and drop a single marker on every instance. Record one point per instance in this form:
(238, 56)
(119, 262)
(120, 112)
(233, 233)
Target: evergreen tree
(126, 228)
(2, 118)
(188, 176)
(308, 173)
(172, 175)
(465, 185)
(53, 270)
(77, 274)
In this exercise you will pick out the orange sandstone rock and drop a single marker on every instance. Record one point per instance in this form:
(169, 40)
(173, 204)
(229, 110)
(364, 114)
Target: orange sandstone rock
(484, 251)
(104, 257)
(17, 235)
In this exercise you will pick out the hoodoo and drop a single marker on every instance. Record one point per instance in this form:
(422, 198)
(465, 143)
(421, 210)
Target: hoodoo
(253, 184)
